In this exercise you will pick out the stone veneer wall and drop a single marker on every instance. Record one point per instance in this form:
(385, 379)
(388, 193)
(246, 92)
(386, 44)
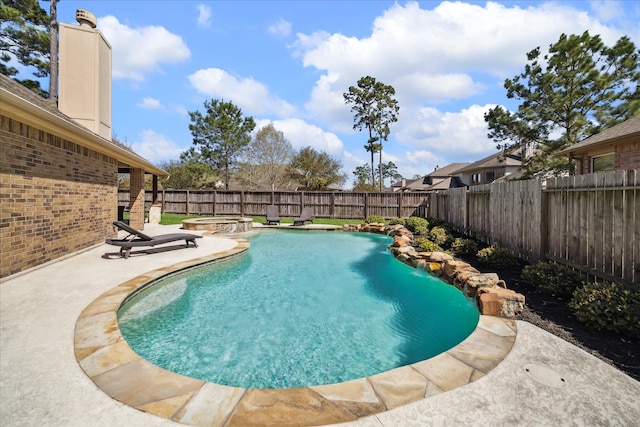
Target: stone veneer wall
(491, 293)
(56, 197)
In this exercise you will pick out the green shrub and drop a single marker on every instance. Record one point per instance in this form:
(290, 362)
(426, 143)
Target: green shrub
(497, 257)
(417, 225)
(426, 245)
(394, 221)
(440, 236)
(608, 306)
(374, 218)
(462, 246)
(552, 278)
(436, 222)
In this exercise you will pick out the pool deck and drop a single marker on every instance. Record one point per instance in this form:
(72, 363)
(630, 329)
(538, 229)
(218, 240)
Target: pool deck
(542, 380)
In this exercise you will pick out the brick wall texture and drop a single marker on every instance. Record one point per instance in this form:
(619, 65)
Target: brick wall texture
(628, 156)
(56, 197)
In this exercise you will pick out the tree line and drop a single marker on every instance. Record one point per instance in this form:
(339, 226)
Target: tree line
(578, 88)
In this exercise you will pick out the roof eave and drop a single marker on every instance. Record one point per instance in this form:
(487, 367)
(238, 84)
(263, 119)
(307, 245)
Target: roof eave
(26, 112)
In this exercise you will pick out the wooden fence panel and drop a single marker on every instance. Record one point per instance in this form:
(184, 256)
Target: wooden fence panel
(320, 203)
(479, 214)
(386, 205)
(288, 203)
(441, 205)
(589, 222)
(350, 205)
(596, 219)
(414, 204)
(175, 201)
(200, 203)
(457, 212)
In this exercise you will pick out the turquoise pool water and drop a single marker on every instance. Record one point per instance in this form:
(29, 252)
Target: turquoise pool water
(298, 309)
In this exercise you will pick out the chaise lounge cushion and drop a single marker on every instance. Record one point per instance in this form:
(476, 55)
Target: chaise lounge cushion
(305, 215)
(136, 238)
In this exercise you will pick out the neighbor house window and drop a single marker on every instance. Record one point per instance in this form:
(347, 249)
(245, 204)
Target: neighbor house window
(606, 162)
(491, 176)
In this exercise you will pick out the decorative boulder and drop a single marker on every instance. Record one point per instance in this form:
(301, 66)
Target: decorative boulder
(482, 280)
(500, 302)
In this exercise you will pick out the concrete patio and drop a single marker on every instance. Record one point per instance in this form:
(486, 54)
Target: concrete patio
(543, 380)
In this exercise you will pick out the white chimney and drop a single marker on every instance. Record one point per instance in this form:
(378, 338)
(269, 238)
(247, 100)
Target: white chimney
(85, 74)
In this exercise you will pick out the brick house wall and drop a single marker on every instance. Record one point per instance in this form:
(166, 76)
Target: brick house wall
(628, 156)
(56, 196)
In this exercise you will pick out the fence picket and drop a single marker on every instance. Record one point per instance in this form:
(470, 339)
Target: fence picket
(590, 222)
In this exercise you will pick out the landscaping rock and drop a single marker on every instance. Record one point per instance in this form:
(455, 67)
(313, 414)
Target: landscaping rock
(500, 302)
(491, 293)
(481, 280)
(452, 266)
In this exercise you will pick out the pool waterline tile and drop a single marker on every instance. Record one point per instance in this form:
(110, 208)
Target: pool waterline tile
(108, 360)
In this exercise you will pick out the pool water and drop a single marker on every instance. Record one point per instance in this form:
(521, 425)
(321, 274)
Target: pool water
(298, 309)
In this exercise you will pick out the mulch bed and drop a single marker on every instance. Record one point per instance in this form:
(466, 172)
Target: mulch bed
(551, 313)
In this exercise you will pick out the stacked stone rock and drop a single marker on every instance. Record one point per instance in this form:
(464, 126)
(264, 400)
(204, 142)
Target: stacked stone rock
(491, 293)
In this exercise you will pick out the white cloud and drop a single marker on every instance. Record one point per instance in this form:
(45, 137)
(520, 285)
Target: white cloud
(460, 136)
(434, 56)
(281, 28)
(149, 103)
(607, 10)
(302, 134)
(250, 95)
(137, 51)
(156, 147)
(204, 16)
(180, 109)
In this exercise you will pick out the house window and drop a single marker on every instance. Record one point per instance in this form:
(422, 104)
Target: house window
(606, 162)
(491, 176)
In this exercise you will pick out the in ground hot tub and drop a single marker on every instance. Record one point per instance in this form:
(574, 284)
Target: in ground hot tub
(219, 224)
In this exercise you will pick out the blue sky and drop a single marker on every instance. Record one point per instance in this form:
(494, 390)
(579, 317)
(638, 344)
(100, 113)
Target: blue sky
(289, 62)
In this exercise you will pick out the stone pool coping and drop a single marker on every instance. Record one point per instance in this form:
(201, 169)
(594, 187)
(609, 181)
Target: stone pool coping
(117, 370)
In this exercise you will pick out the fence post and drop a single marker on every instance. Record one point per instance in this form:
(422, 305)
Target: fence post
(333, 205)
(214, 202)
(366, 204)
(544, 223)
(163, 198)
(187, 203)
(400, 197)
(465, 222)
(241, 203)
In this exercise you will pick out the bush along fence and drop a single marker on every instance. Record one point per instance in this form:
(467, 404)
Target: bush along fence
(343, 205)
(489, 292)
(588, 222)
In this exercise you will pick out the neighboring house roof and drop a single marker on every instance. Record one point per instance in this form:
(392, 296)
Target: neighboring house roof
(493, 161)
(445, 184)
(402, 185)
(440, 179)
(630, 128)
(22, 104)
(447, 171)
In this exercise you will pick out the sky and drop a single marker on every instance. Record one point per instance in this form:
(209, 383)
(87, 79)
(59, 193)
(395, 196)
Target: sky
(288, 63)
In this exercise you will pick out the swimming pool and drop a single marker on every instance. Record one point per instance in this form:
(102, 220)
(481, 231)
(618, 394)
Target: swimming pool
(299, 309)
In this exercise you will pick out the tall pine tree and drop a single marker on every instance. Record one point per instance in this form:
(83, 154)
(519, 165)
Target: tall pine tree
(576, 90)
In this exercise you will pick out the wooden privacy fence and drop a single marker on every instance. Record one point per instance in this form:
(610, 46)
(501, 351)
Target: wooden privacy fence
(345, 205)
(588, 222)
